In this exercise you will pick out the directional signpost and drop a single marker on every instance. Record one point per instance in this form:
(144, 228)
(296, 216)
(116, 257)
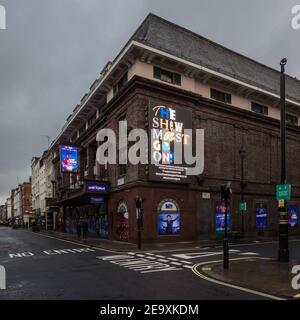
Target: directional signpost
(283, 192)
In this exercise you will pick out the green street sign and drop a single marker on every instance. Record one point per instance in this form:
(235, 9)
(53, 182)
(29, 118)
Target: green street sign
(243, 206)
(283, 191)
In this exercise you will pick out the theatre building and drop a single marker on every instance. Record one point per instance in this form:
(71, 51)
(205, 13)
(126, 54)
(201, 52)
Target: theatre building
(167, 77)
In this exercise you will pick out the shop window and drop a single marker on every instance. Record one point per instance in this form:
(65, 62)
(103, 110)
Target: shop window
(167, 76)
(220, 96)
(168, 218)
(259, 108)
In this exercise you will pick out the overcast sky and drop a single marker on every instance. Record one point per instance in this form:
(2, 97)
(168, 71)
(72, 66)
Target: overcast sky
(53, 50)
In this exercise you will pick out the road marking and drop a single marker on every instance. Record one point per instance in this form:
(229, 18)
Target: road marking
(142, 265)
(51, 252)
(73, 242)
(173, 259)
(176, 263)
(225, 284)
(194, 255)
(249, 254)
(188, 262)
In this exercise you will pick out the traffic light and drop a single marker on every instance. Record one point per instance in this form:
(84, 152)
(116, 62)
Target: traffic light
(225, 192)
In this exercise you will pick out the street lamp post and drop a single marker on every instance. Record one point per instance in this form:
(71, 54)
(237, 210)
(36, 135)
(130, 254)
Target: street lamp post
(283, 252)
(138, 203)
(225, 196)
(242, 153)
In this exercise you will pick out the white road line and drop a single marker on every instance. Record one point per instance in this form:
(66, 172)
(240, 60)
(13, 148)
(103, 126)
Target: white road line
(151, 258)
(163, 260)
(234, 250)
(132, 253)
(189, 267)
(249, 254)
(140, 255)
(184, 261)
(176, 263)
(73, 242)
(158, 256)
(150, 254)
(173, 259)
(202, 276)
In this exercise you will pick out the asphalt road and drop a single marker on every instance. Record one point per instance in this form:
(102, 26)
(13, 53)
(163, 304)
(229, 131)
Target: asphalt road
(39, 267)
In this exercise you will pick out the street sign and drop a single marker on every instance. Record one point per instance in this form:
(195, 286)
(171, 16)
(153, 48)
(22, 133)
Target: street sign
(243, 206)
(280, 203)
(283, 191)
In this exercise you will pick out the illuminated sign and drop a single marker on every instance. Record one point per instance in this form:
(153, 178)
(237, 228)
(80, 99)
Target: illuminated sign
(261, 215)
(167, 124)
(220, 217)
(293, 215)
(69, 159)
(99, 188)
(168, 223)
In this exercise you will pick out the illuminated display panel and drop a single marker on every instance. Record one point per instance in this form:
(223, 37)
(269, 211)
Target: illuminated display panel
(167, 124)
(69, 159)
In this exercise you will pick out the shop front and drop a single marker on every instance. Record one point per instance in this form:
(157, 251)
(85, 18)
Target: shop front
(87, 208)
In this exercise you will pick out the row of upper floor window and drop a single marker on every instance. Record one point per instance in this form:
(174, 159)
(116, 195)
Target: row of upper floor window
(175, 79)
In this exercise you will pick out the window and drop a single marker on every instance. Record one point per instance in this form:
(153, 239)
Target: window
(258, 108)
(120, 84)
(82, 129)
(291, 119)
(122, 168)
(220, 96)
(92, 119)
(167, 76)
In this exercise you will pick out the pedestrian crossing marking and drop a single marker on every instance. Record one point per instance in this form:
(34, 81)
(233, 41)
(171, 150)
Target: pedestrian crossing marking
(150, 262)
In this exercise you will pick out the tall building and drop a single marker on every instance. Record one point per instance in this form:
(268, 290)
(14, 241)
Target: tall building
(169, 78)
(3, 213)
(8, 209)
(26, 201)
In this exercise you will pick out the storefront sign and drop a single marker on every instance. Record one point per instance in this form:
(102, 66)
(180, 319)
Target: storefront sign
(261, 215)
(167, 124)
(69, 159)
(98, 188)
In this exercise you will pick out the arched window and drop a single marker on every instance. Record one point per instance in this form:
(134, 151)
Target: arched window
(122, 224)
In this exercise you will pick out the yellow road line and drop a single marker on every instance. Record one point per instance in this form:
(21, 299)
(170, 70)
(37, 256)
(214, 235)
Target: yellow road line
(255, 292)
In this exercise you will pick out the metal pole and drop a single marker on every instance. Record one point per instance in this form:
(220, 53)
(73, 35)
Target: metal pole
(225, 241)
(283, 252)
(242, 153)
(139, 235)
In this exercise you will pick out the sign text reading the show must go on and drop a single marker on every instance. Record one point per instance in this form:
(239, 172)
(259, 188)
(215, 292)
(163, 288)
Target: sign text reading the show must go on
(168, 136)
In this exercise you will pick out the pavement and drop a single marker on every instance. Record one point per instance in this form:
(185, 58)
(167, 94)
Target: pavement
(126, 246)
(40, 266)
(266, 276)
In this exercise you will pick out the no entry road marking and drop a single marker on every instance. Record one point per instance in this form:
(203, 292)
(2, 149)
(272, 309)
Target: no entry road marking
(51, 252)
